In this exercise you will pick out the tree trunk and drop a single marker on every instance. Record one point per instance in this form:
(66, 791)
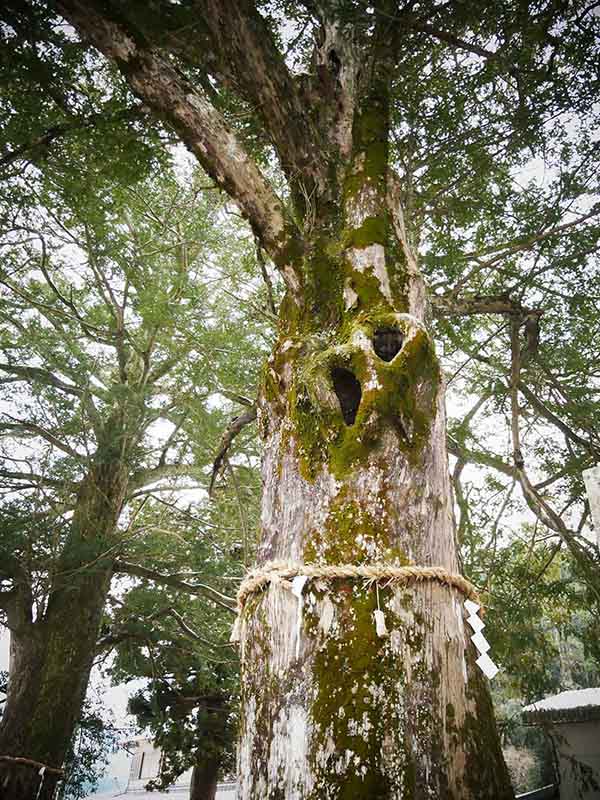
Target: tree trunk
(204, 780)
(51, 657)
(355, 472)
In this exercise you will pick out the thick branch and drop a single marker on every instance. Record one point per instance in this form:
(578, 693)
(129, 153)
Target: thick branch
(451, 39)
(156, 81)
(244, 43)
(450, 305)
(144, 477)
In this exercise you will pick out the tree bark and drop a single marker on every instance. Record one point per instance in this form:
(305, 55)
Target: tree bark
(204, 780)
(355, 471)
(51, 657)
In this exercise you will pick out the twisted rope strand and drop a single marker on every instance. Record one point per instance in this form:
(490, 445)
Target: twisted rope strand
(281, 571)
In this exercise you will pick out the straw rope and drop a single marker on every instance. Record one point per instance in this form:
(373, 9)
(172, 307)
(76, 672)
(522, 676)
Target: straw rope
(30, 762)
(280, 572)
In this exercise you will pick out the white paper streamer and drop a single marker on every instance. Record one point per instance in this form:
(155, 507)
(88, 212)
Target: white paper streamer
(487, 666)
(471, 607)
(484, 662)
(297, 589)
(480, 642)
(380, 626)
(476, 623)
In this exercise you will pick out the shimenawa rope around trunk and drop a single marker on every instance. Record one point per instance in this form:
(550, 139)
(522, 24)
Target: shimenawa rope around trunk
(280, 572)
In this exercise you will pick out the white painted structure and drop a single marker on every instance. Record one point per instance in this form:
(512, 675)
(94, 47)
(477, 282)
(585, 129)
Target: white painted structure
(572, 720)
(591, 478)
(145, 765)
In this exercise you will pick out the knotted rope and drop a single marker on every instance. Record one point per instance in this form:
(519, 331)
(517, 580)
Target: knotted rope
(280, 572)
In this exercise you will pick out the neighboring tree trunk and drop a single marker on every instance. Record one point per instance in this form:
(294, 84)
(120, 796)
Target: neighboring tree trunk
(51, 657)
(204, 780)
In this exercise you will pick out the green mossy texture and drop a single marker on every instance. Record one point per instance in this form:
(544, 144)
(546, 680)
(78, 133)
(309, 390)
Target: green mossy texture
(353, 670)
(353, 534)
(378, 727)
(398, 395)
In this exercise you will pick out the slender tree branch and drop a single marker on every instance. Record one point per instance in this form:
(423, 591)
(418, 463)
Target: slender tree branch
(37, 374)
(222, 600)
(236, 425)
(24, 428)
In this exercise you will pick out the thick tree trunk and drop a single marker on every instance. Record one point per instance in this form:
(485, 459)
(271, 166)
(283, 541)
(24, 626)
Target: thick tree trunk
(355, 472)
(51, 657)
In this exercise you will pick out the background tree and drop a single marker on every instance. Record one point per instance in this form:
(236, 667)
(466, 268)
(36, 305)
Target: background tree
(108, 308)
(164, 632)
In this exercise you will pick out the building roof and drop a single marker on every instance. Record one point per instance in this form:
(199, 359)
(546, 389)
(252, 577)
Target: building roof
(576, 705)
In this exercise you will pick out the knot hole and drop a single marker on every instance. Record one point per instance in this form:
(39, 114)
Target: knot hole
(348, 391)
(387, 343)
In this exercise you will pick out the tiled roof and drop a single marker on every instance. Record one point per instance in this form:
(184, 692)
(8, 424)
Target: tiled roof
(577, 705)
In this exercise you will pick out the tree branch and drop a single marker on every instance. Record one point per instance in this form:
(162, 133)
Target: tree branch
(236, 425)
(26, 373)
(156, 81)
(45, 139)
(244, 45)
(143, 477)
(38, 480)
(23, 428)
(201, 589)
(451, 305)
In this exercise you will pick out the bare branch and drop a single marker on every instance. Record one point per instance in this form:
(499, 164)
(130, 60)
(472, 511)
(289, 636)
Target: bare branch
(201, 589)
(236, 425)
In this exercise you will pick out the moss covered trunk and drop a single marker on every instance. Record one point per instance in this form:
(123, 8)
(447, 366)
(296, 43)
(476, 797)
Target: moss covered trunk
(51, 656)
(355, 472)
